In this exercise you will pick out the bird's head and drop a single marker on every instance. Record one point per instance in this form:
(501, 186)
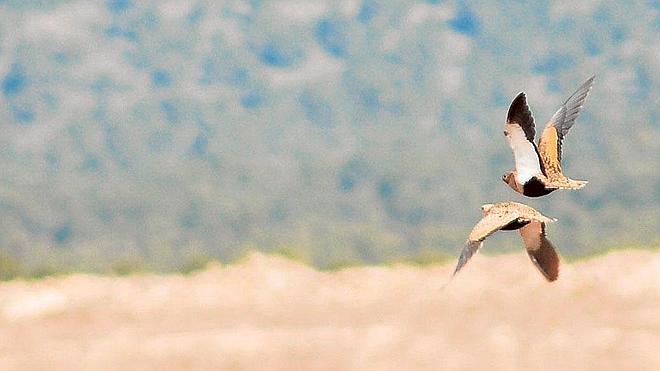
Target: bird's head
(510, 178)
(486, 208)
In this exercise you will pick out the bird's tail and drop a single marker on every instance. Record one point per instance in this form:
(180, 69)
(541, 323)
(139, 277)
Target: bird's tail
(576, 184)
(567, 183)
(546, 219)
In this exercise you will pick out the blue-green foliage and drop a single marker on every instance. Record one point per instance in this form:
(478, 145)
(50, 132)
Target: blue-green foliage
(154, 131)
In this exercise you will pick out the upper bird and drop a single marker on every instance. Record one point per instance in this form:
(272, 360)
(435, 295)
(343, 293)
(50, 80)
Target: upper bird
(512, 216)
(538, 170)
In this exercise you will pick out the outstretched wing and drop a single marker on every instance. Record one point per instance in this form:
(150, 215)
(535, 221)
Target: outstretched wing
(490, 224)
(471, 247)
(540, 249)
(520, 114)
(520, 133)
(559, 125)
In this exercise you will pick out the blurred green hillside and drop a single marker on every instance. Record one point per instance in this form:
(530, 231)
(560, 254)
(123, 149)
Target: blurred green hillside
(161, 134)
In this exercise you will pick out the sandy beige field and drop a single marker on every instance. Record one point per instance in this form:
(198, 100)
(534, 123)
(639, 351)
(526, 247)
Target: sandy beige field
(269, 313)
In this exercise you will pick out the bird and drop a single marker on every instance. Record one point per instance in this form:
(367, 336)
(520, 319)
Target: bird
(538, 168)
(515, 216)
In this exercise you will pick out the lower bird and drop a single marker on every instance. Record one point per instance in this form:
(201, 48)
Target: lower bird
(515, 216)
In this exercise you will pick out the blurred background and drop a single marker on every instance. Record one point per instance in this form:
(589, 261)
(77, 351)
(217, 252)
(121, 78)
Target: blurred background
(158, 135)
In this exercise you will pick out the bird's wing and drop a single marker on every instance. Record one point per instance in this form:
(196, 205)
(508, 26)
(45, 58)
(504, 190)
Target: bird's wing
(490, 224)
(558, 126)
(540, 249)
(520, 133)
(471, 247)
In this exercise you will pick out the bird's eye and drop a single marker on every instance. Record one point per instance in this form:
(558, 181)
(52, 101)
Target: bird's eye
(506, 133)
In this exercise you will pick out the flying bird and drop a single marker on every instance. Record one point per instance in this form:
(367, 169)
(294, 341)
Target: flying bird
(538, 169)
(531, 225)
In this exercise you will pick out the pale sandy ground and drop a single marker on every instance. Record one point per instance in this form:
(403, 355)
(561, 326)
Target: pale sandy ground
(272, 314)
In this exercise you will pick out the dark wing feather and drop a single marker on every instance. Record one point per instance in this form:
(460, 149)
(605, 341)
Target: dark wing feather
(520, 133)
(564, 119)
(520, 114)
(470, 249)
(540, 249)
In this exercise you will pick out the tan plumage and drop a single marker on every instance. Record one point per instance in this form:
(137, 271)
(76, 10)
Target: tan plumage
(538, 168)
(540, 249)
(512, 216)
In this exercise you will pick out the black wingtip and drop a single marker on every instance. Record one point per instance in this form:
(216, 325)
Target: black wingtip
(520, 114)
(519, 103)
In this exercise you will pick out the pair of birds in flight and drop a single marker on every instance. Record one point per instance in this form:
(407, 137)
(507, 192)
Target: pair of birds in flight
(537, 172)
